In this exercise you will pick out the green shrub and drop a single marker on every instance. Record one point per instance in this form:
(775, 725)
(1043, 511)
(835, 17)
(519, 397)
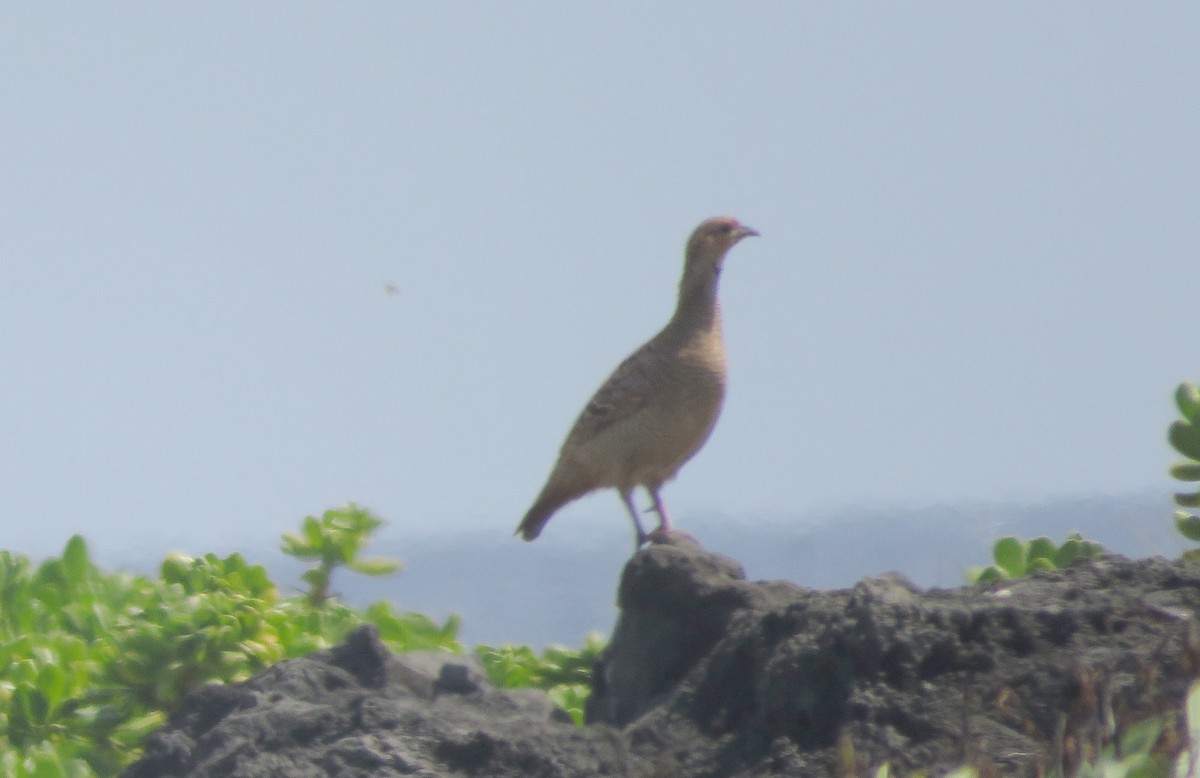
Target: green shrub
(1184, 435)
(91, 662)
(335, 540)
(1016, 558)
(563, 673)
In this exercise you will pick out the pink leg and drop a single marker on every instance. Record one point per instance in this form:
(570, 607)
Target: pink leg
(642, 537)
(663, 530)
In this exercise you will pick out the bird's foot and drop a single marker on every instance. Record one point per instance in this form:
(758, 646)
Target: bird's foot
(665, 534)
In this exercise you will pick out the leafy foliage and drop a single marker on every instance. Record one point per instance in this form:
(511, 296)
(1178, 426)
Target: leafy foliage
(565, 674)
(1184, 435)
(335, 540)
(91, 662)
(1135, 755)
(1016, 558)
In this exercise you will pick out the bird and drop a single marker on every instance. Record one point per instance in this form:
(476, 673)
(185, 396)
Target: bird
(659, 406)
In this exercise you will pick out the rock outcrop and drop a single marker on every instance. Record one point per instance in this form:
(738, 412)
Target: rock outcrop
(708, 674)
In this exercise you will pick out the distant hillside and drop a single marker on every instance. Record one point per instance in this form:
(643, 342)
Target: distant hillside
(561, 587)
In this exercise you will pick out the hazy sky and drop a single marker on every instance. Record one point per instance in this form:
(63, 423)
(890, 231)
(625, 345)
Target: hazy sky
(977, 276)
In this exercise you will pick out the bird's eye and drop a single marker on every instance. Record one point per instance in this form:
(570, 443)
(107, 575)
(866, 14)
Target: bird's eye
(725, 229)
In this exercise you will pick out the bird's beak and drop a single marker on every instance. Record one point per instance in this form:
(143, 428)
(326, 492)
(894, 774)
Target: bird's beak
(747, 232)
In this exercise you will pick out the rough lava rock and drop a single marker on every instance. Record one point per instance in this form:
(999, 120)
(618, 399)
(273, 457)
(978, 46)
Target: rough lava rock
(357, 710)
(708, 674)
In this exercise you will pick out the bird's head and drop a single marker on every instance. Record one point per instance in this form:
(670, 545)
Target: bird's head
(716, 236)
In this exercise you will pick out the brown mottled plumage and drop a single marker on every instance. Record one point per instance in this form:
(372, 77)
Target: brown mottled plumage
(659, 406)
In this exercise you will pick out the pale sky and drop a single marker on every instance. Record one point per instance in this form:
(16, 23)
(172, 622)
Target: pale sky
(976, 279)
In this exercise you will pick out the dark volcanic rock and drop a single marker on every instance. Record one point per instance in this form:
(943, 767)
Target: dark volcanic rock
(710, 675)
(356, 711)
(731, 678)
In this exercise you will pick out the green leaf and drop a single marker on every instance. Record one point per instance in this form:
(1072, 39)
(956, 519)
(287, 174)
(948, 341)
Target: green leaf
(1041, 563)
(292, 545)
(47, 765)
(1185, 437)
(1142, 736)
(52, 683)
(1186, 471)
(141, 727)
(23, 672)
(1010, 555)
(174, 567)
(75, 560)
(1187, 397)
(32, 704)
(989, 574)
(347, 549)
(1070, 551)
(1188, 500)
(316, 577)
(963, 772)
(1141, 766)
(1042, 548)
(314, 533)
(1193, 714)
(449, 631)
(1188, 525)
(376, 566)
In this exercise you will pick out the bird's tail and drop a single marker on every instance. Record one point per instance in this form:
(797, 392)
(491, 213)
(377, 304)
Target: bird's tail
(538, 515)
(550, 500)
(535, 519)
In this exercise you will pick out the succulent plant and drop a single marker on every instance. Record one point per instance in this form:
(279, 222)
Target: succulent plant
(1184, 435)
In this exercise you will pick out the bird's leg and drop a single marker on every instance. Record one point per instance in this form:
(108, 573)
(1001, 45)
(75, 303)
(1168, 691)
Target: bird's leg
(627, 498)
(663, 530)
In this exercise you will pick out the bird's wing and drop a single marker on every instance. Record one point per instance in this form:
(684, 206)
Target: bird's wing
(624, 395)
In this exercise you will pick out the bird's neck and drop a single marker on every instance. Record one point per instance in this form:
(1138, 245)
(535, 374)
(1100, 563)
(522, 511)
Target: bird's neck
(698, 308)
